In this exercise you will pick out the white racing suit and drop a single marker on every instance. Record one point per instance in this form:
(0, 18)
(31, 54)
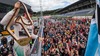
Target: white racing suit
(18, 28)
(20, 50)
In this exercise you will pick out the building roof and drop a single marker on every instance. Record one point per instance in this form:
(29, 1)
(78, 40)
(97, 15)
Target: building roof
(85, 12)
(79, 5)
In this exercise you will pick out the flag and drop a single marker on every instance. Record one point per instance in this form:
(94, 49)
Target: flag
(36, 48)
(40, 44)
(93, 44)
(98, 17)
(98, 23)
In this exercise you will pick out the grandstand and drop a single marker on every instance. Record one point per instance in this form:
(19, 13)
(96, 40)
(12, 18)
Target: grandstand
(86, 12)
(77, 6)
(5, 6)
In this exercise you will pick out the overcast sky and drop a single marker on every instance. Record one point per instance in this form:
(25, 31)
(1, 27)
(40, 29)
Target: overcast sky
(48, 4)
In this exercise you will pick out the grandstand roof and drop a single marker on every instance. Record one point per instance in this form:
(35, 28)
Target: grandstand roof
(79, 5)
(85, 12)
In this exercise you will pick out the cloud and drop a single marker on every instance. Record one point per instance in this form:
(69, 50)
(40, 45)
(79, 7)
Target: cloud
(48, 4)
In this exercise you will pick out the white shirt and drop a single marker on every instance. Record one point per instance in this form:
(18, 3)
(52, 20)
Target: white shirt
(7, 18)
(18, 28)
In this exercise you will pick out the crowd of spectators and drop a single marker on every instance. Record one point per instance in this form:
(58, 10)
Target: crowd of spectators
(65, 37)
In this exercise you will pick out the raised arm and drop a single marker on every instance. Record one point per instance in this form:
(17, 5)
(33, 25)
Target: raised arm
(8, 16)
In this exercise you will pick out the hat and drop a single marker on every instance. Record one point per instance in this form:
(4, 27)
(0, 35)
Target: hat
(30, 11)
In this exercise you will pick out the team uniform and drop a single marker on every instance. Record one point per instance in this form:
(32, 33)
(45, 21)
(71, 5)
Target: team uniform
(17, 29)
